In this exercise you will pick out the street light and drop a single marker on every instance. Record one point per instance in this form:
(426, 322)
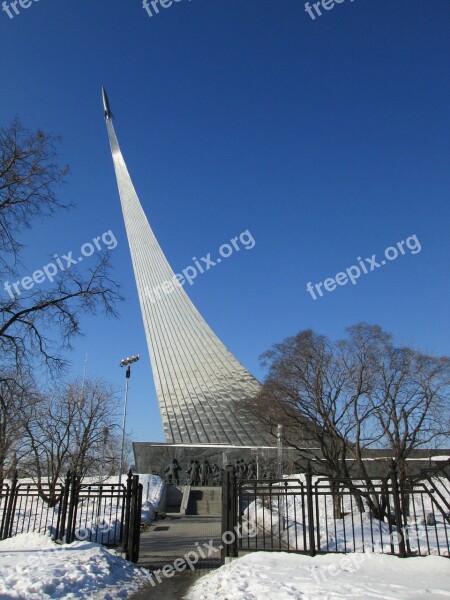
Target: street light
(105, 435)
(126, 362)
(280, 450)
(280, 472)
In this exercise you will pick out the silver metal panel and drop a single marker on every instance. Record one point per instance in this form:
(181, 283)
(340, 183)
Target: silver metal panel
(200, 385)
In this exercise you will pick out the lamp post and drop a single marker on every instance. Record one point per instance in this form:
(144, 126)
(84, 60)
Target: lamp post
(126, 362)
(105, 435)
(280, 473)
(280, 450)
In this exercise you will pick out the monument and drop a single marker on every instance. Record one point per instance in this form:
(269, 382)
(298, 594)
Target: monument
(200, 385)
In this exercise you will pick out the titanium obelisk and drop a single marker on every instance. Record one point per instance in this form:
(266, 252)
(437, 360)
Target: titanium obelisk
(200, 385)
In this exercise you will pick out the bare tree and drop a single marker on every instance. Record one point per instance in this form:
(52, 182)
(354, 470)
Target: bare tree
(16, 397)
(410, 393)
(66, 430)
(38, 324)
(320, 400)
(338, 399)
(29, 176)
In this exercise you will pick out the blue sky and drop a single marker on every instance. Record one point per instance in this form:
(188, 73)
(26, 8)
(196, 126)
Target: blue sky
(327, 139)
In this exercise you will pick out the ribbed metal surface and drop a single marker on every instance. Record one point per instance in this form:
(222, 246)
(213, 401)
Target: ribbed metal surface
(199, 383)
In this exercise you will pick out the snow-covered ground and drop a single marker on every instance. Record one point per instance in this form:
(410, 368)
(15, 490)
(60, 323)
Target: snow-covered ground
(282, 576)
(32, 567)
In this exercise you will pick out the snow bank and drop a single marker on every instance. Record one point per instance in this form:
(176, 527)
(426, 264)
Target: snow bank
(282, 576)
(153, 487)
(32, 567)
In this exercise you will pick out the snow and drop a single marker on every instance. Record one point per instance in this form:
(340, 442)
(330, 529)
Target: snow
(153, 487)
(32, 567)
(283, 576)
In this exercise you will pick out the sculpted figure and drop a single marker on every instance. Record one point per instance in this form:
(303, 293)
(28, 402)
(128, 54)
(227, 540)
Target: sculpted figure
(218, 474)
(194, 472)
(252, 470)
(205, 471)
(172, 472)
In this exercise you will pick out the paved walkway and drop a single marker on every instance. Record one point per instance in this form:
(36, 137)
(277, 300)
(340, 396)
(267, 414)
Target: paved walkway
(175, 536)
(174, 588)
(172, 538)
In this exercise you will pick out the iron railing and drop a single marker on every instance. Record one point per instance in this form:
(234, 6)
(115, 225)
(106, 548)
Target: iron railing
(105, 513)
(314, 515)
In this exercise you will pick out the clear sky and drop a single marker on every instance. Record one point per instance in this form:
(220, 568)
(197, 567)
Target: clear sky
(328, 139)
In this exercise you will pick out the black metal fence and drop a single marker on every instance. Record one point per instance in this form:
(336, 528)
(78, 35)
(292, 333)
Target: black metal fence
(105, 513)
(314, 515)
(438, 477)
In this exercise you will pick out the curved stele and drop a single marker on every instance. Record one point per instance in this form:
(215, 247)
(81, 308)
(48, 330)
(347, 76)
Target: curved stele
(200, 385)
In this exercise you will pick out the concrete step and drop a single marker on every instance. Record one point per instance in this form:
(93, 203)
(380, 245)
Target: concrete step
(174, 495)
(206, 501)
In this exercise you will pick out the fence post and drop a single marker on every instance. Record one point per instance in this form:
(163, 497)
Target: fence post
(137, 522)
(225, 517)
(126, 518)
(133, 537)
(9, 520)
(4, 498)
(310, 505)
(73, 505)
(62, 517)
(398, 512)
(236, 490)
(229, 512)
